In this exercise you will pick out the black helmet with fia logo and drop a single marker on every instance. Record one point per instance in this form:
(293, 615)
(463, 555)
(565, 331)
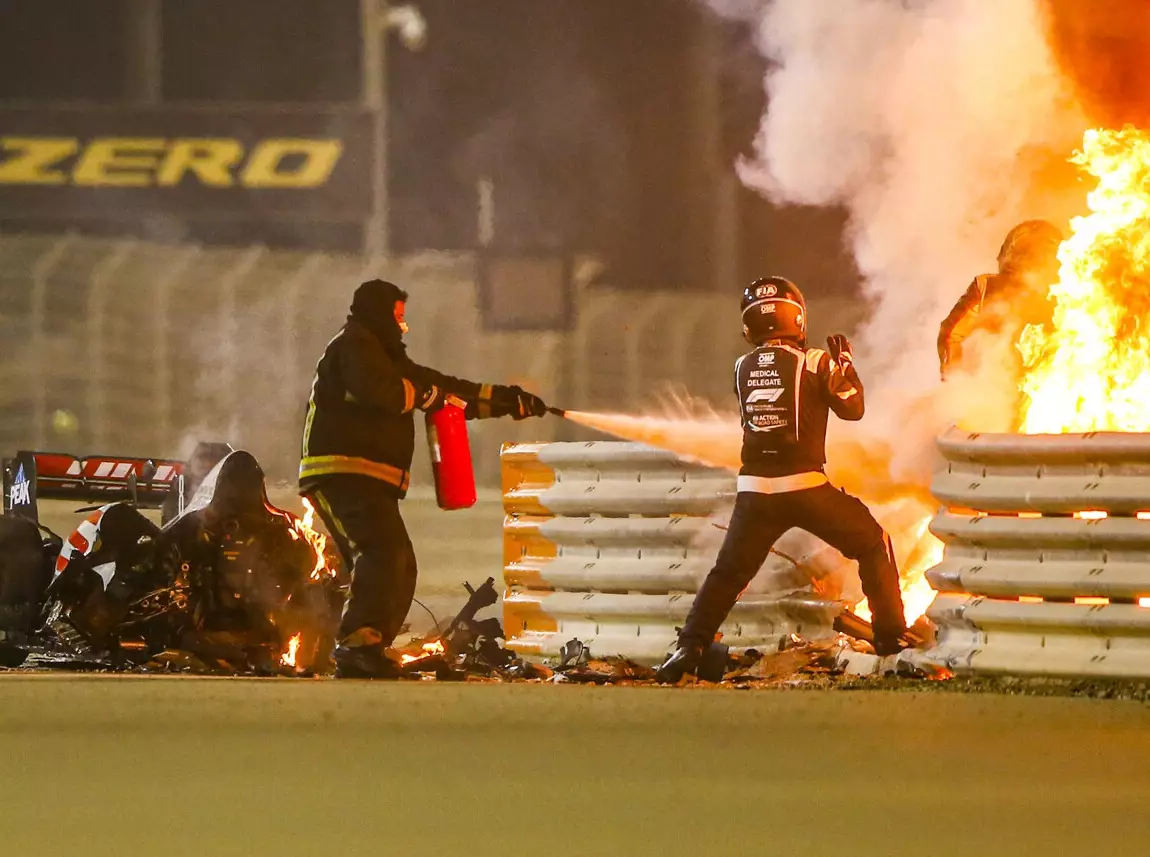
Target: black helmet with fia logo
(774, 308)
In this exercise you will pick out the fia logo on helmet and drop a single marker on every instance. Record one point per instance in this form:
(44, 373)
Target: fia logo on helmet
(767, 291)
(19, 494)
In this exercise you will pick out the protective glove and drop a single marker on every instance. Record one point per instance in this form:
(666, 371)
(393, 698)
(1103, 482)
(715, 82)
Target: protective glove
(839, 348)
(516, 403)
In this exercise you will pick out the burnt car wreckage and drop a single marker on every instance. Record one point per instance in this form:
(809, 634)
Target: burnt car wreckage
(222, 584)
(227, 583)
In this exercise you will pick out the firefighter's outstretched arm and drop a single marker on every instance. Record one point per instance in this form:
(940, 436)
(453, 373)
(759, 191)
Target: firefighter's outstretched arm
(958, 325)
(483, 400)
(840, 381)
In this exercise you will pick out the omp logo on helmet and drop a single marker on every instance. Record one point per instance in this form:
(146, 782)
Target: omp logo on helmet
(767, 291)
(20, 493)
(215, 162)
(767, 358)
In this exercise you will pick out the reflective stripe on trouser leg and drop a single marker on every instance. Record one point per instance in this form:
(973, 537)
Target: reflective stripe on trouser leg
(334, 527)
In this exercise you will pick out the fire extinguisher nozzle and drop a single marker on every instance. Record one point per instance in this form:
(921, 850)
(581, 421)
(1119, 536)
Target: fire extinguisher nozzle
(559, 412)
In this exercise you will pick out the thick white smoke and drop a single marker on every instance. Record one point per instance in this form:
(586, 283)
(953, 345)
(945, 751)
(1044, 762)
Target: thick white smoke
(927, 120)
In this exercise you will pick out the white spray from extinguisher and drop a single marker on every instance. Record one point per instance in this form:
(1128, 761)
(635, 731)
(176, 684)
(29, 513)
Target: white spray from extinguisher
(710, 439)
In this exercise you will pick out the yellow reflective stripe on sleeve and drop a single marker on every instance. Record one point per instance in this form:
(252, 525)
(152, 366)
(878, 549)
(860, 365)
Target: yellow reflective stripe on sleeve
(408, 395)
(331, 465)
(484, 401)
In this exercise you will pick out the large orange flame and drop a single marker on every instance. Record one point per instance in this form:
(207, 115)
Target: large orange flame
(1090, 370)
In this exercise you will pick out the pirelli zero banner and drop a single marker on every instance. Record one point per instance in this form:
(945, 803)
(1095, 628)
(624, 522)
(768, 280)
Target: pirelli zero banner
(206, 163)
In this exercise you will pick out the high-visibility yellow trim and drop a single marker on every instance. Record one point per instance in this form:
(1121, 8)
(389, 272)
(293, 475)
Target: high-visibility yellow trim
(780, 484)
(330, 465)
(483, 403)
(408, 395)
(307, 424)
(329, 515)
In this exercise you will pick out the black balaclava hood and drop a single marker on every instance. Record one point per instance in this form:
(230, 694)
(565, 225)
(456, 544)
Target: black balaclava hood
(373, 306)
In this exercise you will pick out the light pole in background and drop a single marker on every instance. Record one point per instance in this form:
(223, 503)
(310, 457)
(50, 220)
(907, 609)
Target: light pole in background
(377, 18)
(144, 69)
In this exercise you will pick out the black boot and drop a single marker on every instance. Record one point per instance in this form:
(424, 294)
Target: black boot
(364, 662)
(682, 661)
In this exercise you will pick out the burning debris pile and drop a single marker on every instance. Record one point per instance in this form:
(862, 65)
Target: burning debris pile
(230, 584)
(468, 648)
(797, 663)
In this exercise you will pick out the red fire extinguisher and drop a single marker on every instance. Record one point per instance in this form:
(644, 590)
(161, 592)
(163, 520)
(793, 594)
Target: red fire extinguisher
(451, 457)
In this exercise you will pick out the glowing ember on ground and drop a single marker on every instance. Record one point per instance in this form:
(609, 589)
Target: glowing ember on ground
(435, 647)
(288, 657)
(1090, 371)
(1088, 599)
(1144, 602)
(1091, 515)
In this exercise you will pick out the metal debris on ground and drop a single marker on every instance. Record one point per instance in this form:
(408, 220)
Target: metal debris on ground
(469, 648)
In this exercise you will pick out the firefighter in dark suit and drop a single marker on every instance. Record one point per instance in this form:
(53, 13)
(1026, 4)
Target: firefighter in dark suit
(786, 392)
(358, 440)
(1010, 299)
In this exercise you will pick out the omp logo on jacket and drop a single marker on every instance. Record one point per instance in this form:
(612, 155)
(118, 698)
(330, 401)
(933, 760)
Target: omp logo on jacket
(214, 162)
(19, 494)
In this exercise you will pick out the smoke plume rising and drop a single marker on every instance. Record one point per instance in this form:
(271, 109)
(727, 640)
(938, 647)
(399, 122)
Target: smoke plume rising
(936, 125)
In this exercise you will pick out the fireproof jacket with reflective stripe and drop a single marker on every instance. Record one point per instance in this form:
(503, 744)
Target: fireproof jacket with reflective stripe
(360, 416)
(785, 396)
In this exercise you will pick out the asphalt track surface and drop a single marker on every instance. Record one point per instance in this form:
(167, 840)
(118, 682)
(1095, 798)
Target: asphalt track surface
(98, 765)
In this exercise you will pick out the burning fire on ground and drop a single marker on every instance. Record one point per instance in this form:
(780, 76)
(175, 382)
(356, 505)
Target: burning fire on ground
(302, 528)
(287, 659)
(427, 650)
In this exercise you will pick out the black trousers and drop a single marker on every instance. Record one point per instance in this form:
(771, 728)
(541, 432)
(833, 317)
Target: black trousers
(362, 515)
(834, 516)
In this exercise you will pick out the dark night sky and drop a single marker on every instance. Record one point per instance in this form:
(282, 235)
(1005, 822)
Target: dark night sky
(580, 110)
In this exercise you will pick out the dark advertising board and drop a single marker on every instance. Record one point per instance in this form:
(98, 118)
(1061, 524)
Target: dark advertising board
(205, 163)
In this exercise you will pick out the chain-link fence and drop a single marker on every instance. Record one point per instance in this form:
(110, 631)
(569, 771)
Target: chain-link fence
(131, 347)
